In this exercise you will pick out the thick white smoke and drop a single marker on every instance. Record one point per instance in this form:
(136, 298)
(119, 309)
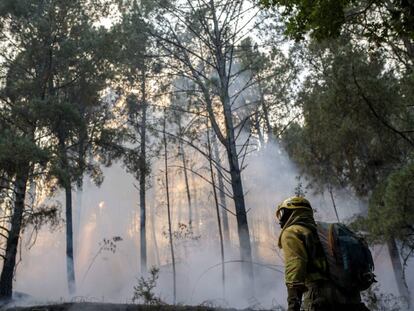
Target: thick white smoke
(112, 211)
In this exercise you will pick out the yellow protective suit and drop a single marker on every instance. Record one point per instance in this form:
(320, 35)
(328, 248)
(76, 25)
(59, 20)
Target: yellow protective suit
(304, 258)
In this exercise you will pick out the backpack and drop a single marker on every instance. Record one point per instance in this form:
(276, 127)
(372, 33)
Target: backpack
(349, 259)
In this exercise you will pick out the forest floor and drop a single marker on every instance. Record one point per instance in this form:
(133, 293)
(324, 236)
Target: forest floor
(112, 307)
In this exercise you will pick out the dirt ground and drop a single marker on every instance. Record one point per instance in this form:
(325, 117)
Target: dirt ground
(111, 307)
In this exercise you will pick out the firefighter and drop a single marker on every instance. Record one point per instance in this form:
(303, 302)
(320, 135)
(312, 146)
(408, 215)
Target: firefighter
(306, 269)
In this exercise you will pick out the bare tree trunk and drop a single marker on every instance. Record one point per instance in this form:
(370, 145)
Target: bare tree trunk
(187, 185)
(213, 182)
(238, 194)
(398, 270)
(222, 195)
(169, 212)
(142, 178)
(238, 197)
(6, 279)
(69, 241)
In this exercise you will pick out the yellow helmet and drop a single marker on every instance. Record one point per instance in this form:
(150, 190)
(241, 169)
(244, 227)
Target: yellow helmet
(292, 203)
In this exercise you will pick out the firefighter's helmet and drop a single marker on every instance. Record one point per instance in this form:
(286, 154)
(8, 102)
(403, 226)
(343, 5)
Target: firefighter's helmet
(292, 204)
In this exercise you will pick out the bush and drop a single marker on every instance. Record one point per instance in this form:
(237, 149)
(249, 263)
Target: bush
(144, 291)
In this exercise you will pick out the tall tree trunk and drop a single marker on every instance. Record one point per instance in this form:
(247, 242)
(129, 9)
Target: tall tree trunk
(82, 158)
(78, 220)
(6, 279)
(167, 190)
(230, 143)
(213, 182)
(222, 194)
(142, 177)
(238, 194)
(187, 185)
(66, 183)
(70, 266)
(398, 270)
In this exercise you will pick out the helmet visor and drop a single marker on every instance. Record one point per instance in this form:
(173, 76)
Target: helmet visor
(280, 213)
(283, 216)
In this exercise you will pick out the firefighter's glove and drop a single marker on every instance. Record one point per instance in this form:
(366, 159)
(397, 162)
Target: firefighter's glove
(295, 297)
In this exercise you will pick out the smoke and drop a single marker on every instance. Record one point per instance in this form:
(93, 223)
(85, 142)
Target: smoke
(107, 233)
(108, 274)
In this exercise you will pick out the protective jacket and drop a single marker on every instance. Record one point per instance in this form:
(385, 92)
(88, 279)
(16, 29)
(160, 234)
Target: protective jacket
(304, 258)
